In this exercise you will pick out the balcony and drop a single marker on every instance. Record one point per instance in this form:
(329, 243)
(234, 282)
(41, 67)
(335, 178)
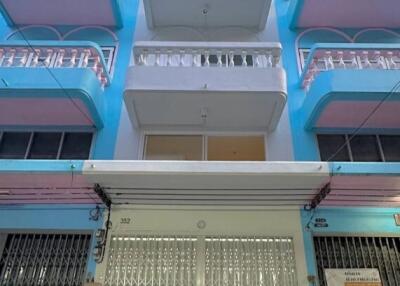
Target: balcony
(349, 83)
(206, 85)
(207, 14)
(353, 14)
(61, 12)
(51, 83)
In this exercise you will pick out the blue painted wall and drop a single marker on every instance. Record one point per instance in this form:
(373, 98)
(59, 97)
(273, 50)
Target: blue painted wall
(304, 141)
(340, 220)
(75, 217)
(105, 142)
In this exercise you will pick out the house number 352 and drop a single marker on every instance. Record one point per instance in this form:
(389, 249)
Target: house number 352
(125, 220)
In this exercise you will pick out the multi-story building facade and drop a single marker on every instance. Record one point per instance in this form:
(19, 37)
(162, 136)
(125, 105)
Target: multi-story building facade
(207, 143)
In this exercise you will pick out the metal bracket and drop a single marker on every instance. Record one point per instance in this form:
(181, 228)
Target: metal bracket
(323, 192)
(99, 190)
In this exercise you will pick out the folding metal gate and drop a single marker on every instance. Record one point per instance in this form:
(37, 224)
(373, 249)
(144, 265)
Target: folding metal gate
(43, 259)
(359, 252)
(200, 261)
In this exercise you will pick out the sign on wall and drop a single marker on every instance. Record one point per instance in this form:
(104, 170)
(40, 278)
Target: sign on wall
(353, 277)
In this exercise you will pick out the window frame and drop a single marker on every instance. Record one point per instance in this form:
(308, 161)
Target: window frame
(60, 144)
(349, 150)
(204, 135)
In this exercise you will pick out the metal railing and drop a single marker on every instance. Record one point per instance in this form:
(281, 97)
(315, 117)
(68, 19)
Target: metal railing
(54, 55)
(324, 57)
(207, 54)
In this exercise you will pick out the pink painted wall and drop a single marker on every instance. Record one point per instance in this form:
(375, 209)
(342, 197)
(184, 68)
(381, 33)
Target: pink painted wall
(61, 12)
(350, 114)
(46, 188)
(43, 111)
(383, 191)
(350, 13)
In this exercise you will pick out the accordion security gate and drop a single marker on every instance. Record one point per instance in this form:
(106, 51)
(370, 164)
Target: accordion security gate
(382, 253)
(43, 259)
(200, 261)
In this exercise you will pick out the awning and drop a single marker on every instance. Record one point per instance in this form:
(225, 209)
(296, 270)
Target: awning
(201, 183)
(246, 183)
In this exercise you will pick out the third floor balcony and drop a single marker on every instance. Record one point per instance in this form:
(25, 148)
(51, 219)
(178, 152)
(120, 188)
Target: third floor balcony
(352, 85)
(344, 13)
(206, 85)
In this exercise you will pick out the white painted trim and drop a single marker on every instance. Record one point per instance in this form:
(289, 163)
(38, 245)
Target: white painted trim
(121, 167)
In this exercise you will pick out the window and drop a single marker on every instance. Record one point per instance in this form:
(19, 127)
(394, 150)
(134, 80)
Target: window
(76, 146)
(391, 147)
(43, 258)
(45, 145)
(361, 148)
(199, 261)
(365, 148)
(235, 148)
(198, 147)
(166, 147)
(14, 145)
(329, 146)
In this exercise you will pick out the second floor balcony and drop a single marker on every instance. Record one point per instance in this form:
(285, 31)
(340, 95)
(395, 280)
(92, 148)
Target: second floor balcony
(206, 85)
(352, 85)
(51, 83)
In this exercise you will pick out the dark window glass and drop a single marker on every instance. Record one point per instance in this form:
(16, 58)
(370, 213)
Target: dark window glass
(365, 148)
(238, 60)
(13, 145)
(76, 146)
(213, 59)
(330, 144)
(45, 146)
(391, 147)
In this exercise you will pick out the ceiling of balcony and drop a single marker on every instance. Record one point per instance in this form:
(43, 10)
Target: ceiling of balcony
(206, 13)
(61, 12)
(346, 14)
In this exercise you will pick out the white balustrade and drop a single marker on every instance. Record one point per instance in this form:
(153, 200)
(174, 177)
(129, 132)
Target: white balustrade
(54, 57)
(328, 59)
(207, 54)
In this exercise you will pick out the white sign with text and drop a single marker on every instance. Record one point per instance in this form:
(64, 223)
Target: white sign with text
(353, 277)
